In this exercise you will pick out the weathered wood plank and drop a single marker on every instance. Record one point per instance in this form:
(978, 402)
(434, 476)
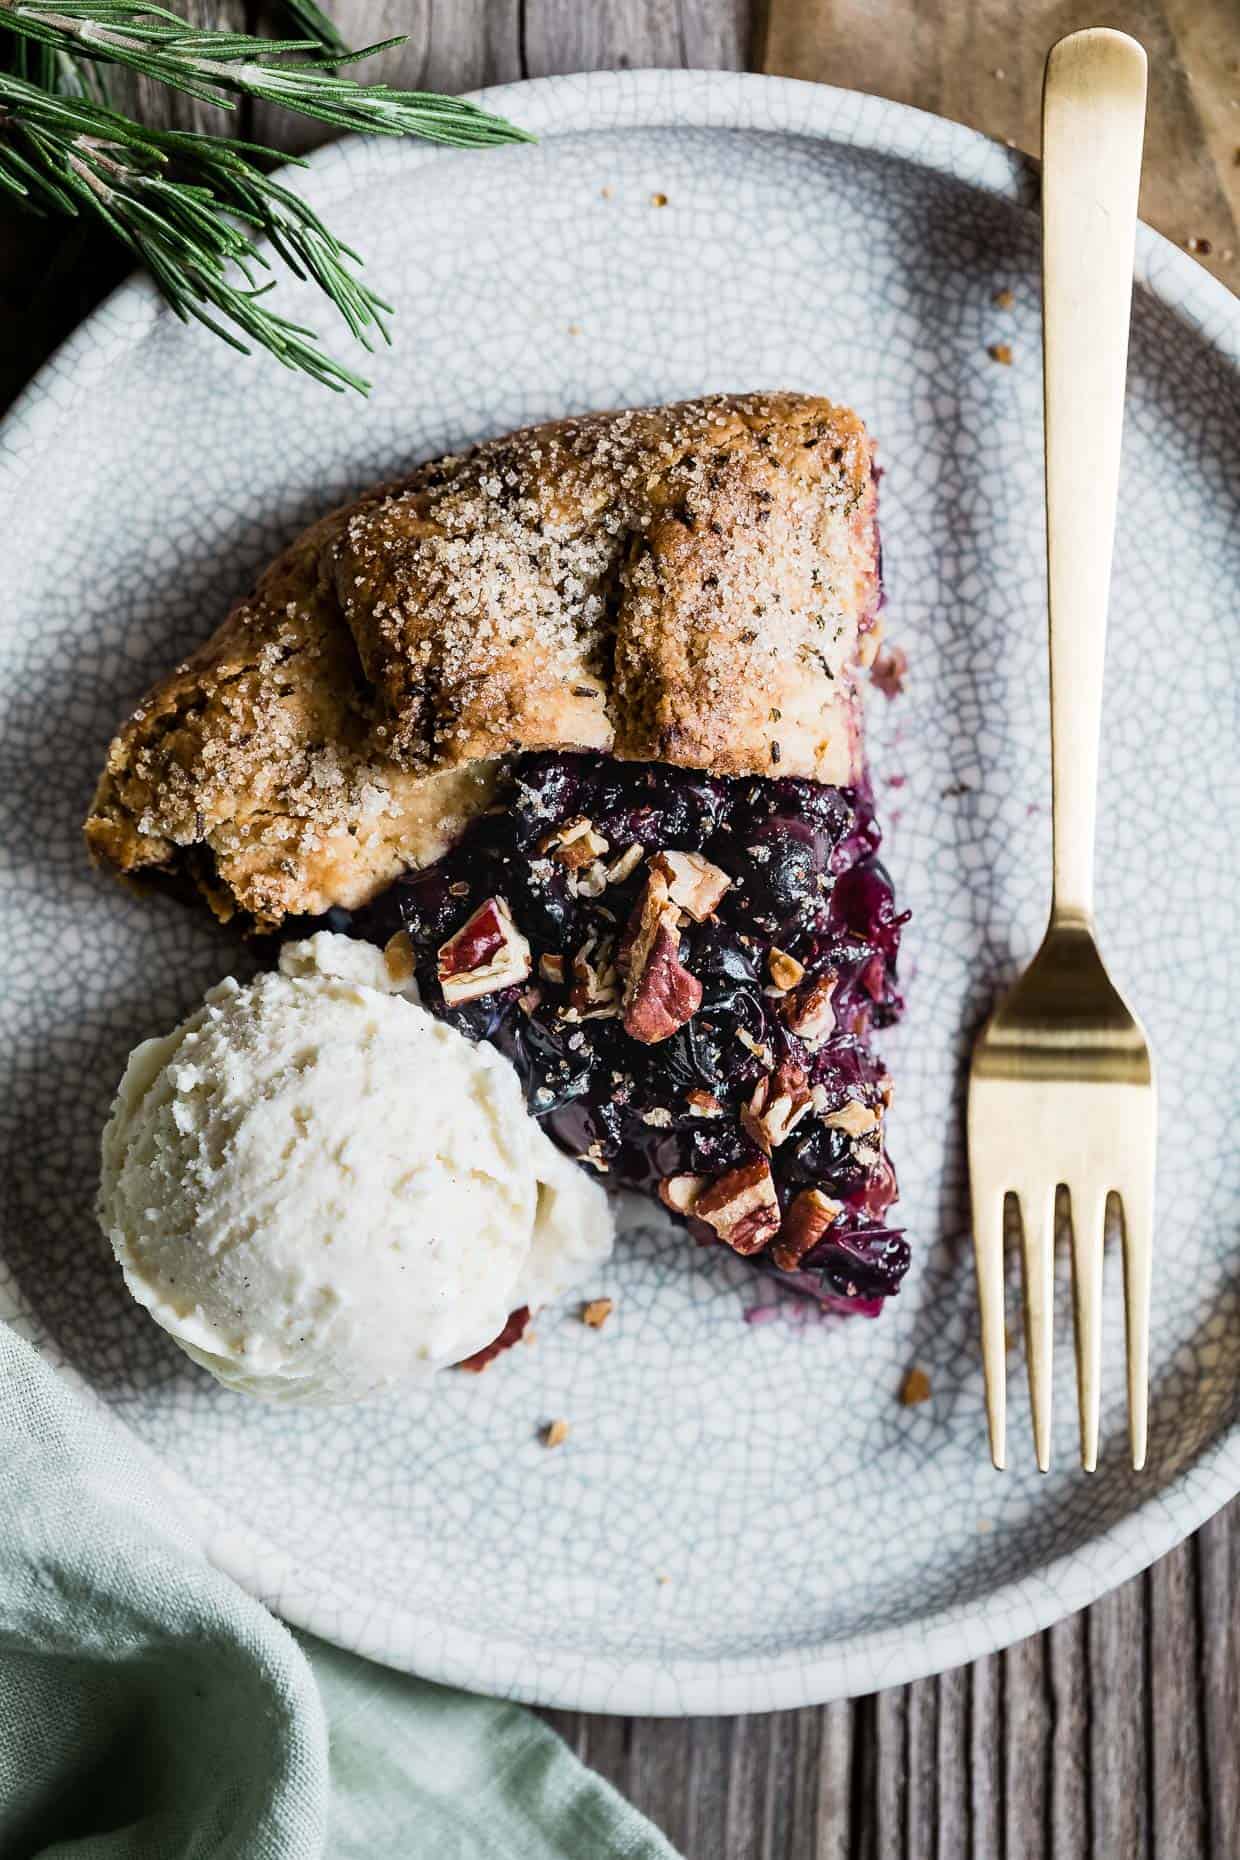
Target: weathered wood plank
(986, 1733)
(1217, 1553)
(890, 1781)
(1177, 1797)
(922, 1824)
(1025, 1749)
(583, 35)
(1068, 1702)
(1119, 1721)
(982, 64)
(753, 1745)
(715, 35)
(951, 1759)
(829, 1798)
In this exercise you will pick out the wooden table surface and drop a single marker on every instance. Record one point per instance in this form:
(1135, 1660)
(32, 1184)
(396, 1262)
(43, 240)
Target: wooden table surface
(1116, 1734)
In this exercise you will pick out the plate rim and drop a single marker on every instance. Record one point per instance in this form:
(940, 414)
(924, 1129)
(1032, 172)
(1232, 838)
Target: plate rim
(817, 1671)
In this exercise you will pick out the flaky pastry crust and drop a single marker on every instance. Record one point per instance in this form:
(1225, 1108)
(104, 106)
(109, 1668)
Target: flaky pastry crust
(692, 584)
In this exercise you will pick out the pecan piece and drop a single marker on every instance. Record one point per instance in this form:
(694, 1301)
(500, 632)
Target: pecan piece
(680, 1192)
(660, 995)
(742, 1206)
(854, 1117)
(512, 1333)
(779, 1102)
(809, 1012)
(590, 881)
(487, 953)
(625, 866)
(692, 882)
(575, 843)
(595, 992)
(807, 1220)
(786, 971)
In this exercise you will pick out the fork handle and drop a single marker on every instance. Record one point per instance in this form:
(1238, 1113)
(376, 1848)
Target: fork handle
(1093, 115)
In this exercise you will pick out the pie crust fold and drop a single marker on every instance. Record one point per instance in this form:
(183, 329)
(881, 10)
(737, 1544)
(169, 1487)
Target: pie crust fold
(696, 584)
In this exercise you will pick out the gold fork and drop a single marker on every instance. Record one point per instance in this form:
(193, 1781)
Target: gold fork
(1061, 1090)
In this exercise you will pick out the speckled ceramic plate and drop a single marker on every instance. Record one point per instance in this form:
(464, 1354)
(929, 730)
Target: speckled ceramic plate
(745, 1515)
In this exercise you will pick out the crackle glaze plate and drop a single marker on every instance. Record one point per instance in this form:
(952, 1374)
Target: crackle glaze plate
(745, 1515)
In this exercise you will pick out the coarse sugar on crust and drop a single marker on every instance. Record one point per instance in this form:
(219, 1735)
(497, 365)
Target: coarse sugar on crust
(688, 584)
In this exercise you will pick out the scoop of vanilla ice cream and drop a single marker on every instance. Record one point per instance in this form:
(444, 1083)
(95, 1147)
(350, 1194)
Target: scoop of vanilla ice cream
(321, 1191)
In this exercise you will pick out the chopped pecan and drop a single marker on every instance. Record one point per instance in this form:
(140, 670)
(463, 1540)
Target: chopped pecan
(590, 881)
(625, 866)
(488, 952)
(786, 971)
(575, 844)
(596, 1312)
(779, 1102)
(854, 1117)
(663, 995)
(551, 967)
(692, 882)
(809, 1012)
(703, 1103)
(742, 1206)
(660, 995)
(680, 1192)
(807, 1220)
(512, 1332)
(760, 1050)
(595, 991)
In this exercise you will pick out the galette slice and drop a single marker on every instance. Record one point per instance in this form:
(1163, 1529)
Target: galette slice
(571, 723)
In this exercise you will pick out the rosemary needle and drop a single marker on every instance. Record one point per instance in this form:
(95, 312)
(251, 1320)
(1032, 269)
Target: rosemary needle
(192, 207)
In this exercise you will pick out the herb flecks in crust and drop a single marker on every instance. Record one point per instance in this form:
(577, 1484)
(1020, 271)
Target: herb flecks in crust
(688, 584)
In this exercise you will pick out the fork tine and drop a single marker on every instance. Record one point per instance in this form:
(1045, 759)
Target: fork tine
(988, 1253)
(1089, 1206)
(1138, 1202)
(1038, 1255)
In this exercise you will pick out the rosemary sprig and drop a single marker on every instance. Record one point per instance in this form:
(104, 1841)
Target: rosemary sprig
(209, 65)
(192, 207)
(65, 154)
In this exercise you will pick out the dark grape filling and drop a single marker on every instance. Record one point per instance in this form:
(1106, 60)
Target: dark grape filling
(806, 880)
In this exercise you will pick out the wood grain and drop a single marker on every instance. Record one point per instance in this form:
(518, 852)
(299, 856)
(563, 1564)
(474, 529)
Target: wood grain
(980, 61)
(1115, 1736)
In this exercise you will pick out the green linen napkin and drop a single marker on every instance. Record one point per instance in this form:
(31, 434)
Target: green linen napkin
(151, 1710)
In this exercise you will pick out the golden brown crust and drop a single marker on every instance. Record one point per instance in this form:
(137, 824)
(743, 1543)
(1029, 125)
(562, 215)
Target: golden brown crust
(682, 584)
(250, 773)
(690, 584)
